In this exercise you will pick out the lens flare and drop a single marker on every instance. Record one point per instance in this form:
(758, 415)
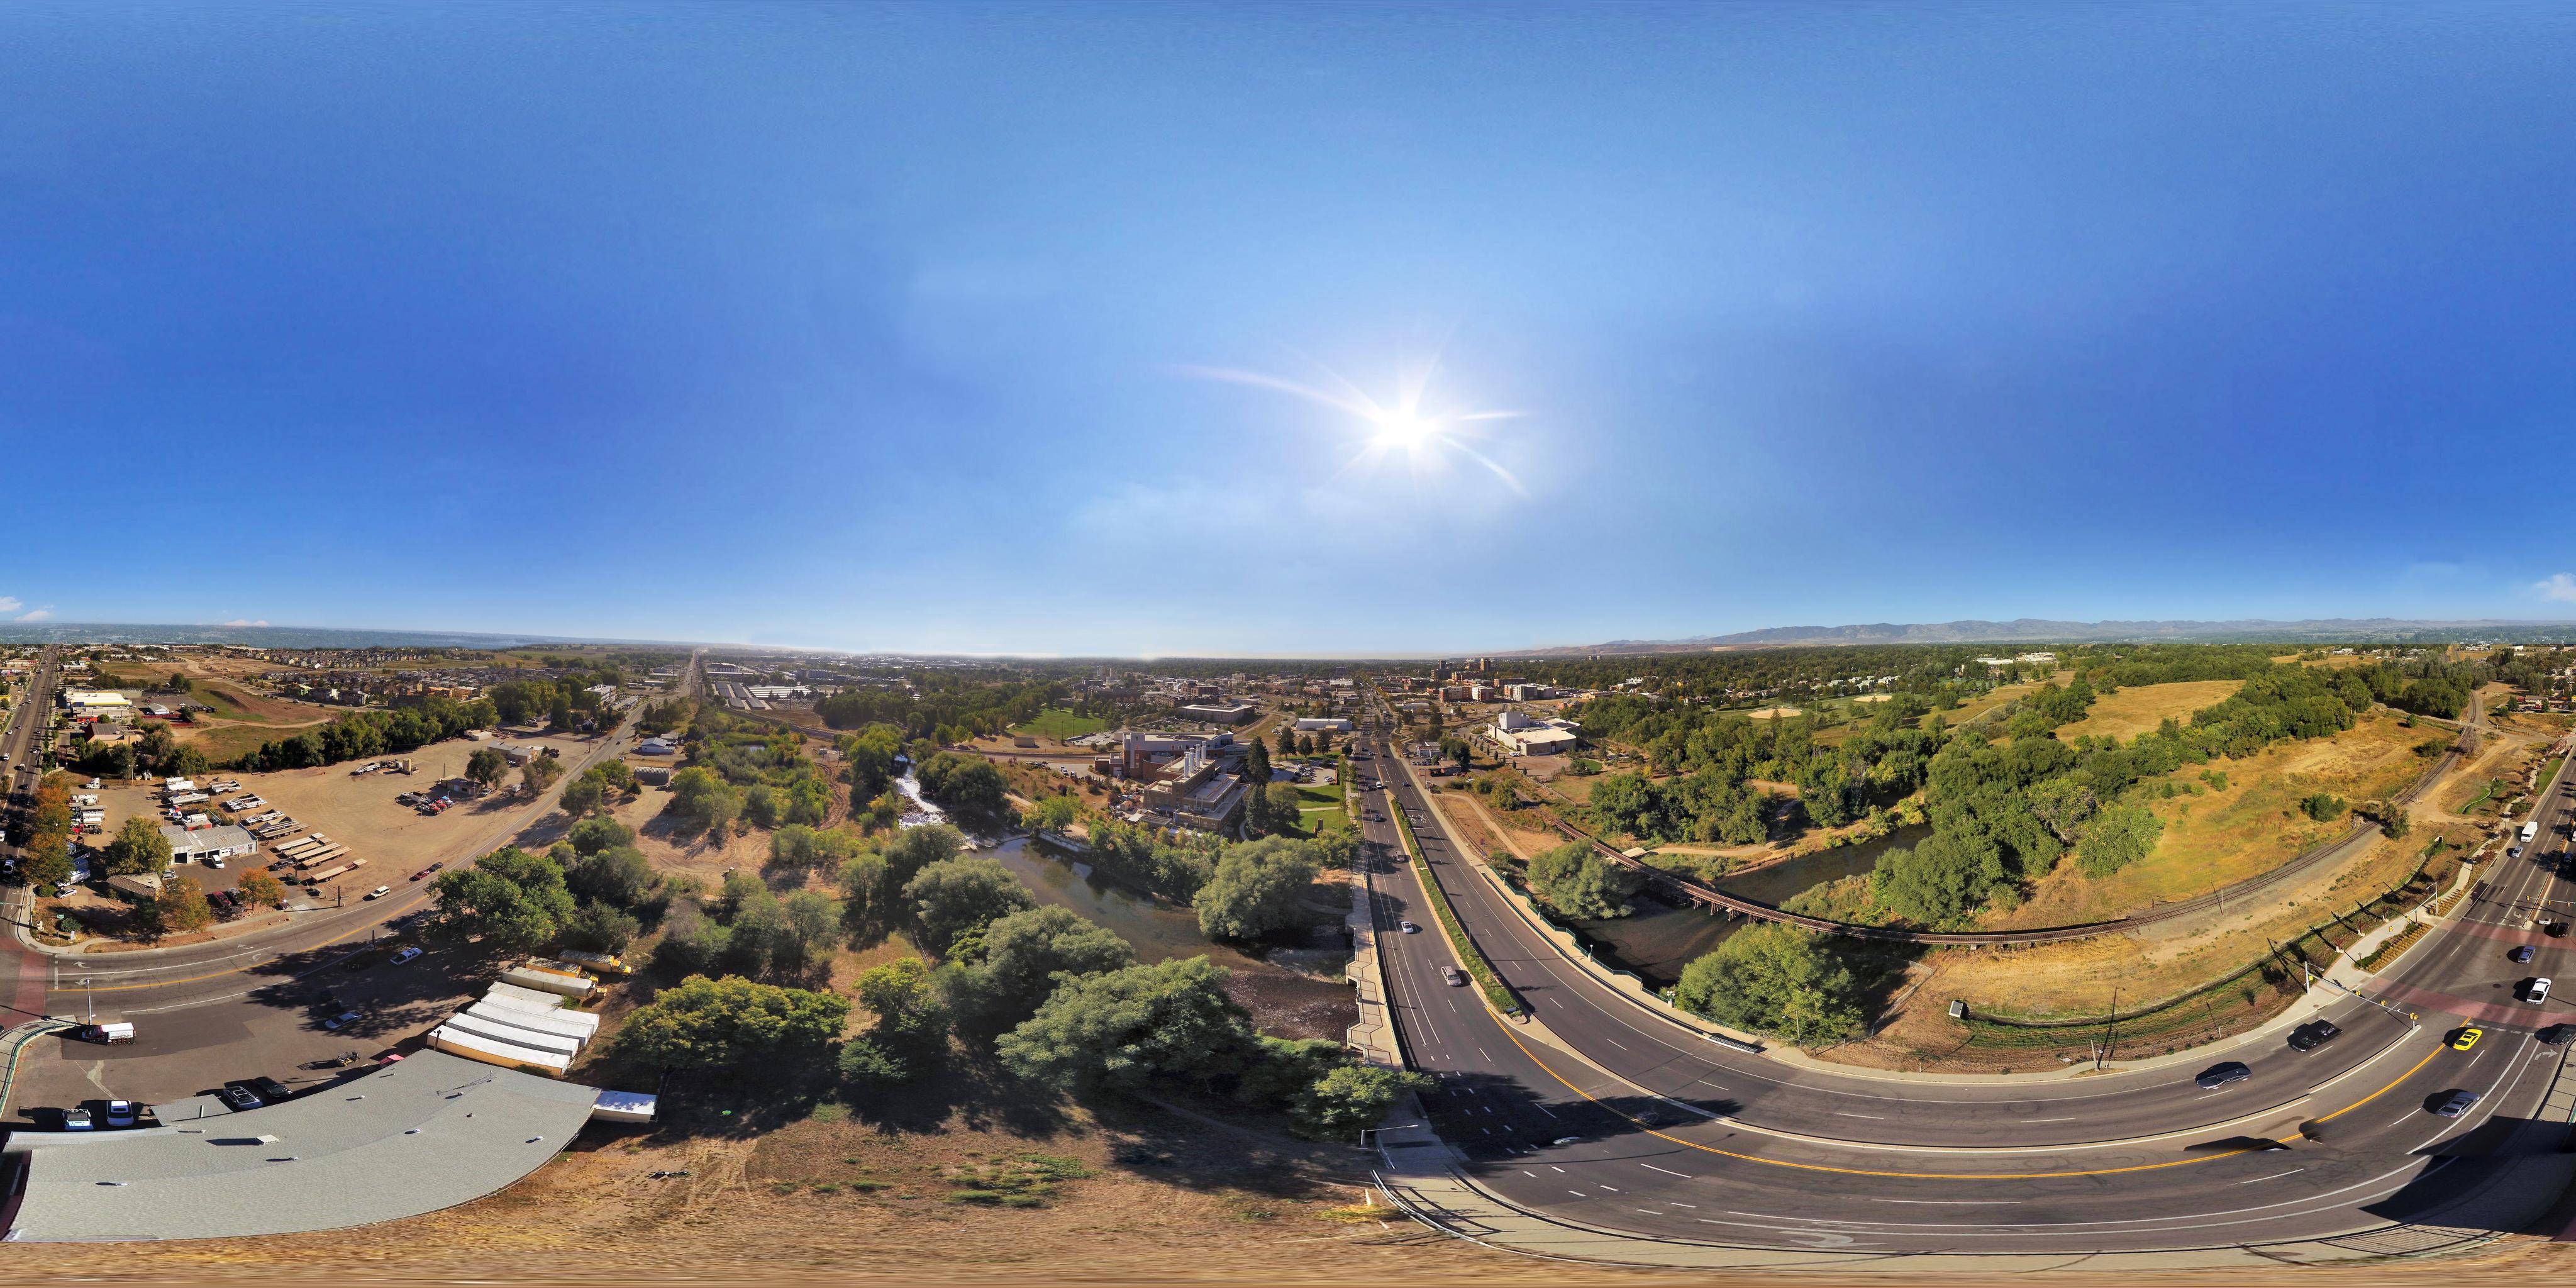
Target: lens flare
(1426, 440)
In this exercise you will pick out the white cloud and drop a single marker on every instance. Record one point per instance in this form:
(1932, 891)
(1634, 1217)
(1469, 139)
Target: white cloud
(2561, 588)
(239, 622)
(39, 615)
(9, 604)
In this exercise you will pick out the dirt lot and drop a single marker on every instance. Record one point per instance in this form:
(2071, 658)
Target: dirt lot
(2130, 712)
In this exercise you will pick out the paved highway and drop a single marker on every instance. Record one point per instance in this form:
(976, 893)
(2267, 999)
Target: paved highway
(1603, 1114)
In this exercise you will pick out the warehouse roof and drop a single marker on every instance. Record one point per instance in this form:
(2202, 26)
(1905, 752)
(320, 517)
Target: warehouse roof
(430, 1132)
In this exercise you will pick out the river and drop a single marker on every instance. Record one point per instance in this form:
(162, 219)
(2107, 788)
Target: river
(1657, 941)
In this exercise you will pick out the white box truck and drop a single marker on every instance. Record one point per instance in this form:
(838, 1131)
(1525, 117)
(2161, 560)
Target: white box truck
(2530, 830)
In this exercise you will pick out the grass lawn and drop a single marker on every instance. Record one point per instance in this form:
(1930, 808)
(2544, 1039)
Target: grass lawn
(2215, 837)
(221, 743)
(2131, 712)
(1977, 706)
(1061, 725)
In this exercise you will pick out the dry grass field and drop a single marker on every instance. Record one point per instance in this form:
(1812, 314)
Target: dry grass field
(2213, 837)
(2130, 712)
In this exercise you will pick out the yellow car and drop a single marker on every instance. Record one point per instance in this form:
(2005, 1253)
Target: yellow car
(2468, 1038)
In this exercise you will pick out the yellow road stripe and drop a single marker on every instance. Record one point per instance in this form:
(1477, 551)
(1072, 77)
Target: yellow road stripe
(2383, 1090)
(1860, 1171)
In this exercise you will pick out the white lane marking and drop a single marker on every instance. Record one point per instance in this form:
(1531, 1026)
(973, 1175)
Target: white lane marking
(1527, 1172)
(2048, 1120)
(1542, 1109)
(2273, 1177)
(1956, 1202)
(1616, 1043)
(1875, 1117)
(1692, 1206)
(1555, 1168)
(1668, 1171)
(1614, 1189)
(1650, 1211)
(1578, 1194)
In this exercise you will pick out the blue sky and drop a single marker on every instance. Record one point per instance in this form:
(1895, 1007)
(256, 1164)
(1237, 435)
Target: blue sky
(880, 326)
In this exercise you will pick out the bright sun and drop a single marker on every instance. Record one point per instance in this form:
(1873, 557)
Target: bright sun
(1424, 440)
(1396, 428)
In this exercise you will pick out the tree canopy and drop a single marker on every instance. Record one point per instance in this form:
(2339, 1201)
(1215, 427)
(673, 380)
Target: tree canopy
(1257, 887)
(515, 901)
(1776, 979)
(730, 1023)
(1129, 1026)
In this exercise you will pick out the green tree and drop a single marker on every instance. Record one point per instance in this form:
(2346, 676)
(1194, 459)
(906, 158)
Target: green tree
(1576, 882)
(1939, 881)
(1774, 979)
(870, 755)
(1021, 956)
(583, 796)
(915, 848)
(601, 928)
(156, 744)
(867, 900)
(539, 774)
(1258, 887)
(513, 900)
(911, 1017)
(1351, 1099)
(1256, 764)
(618, 876)
(1287, 740)
(2120, 836)
(1052, 814)
(701, 800)
(487, 766)
(951, 898)
(138, 850)
(731, 1023)
(1127, 1027)
(592, 835)
(966, 784)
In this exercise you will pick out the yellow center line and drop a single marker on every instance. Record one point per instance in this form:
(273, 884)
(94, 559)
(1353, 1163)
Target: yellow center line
(2383, 1090)
(1925, 1176)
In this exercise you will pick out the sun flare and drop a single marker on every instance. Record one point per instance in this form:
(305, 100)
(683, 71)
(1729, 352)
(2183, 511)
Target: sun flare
(1427, 440)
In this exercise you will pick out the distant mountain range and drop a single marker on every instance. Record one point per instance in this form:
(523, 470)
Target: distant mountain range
(265, 636)
(2031, 630)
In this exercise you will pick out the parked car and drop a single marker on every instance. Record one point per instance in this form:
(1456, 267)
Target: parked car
(2314, 1034)
(2555, 1034)
(120, 1113)
(341, 1021)
(241, 1097)
(2457, 1105)
(404, 956)
(2224, 1074)
(269, 1089)
(2523, 954)
(2537, 990)
(76, 1119)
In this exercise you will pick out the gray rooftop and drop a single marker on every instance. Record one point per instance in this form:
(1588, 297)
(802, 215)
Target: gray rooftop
(430, 1132)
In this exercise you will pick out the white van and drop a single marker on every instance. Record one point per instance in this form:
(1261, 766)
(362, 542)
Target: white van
(113, 1031)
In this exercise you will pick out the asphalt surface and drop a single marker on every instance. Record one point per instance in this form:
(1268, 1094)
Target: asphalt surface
(1615, 1118)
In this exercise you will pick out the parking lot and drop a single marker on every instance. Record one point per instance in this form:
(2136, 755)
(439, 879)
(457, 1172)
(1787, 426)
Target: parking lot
(272, 1028)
